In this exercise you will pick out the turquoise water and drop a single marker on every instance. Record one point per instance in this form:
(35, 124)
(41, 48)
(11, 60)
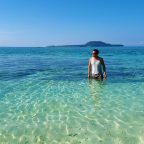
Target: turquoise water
(46, 98)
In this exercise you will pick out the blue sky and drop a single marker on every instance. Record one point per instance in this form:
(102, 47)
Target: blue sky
(56, 22)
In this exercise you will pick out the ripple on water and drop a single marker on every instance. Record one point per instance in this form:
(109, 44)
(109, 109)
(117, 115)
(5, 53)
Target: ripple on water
(86, 112)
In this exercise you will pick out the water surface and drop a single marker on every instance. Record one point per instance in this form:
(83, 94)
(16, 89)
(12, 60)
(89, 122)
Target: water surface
(45, 96)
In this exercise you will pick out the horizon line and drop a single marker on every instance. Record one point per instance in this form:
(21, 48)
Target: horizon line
(62, 46)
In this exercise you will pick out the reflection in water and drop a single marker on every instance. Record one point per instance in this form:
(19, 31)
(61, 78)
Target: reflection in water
(95, 87)
(96, 90)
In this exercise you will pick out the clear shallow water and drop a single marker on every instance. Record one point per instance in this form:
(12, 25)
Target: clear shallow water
(45, 96)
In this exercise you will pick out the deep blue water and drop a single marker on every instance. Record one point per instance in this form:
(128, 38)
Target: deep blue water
(63, 63)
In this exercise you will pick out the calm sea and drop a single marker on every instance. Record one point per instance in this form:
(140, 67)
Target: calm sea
(46, 98)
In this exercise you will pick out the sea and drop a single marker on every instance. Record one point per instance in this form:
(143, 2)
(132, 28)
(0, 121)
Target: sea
(46, 97)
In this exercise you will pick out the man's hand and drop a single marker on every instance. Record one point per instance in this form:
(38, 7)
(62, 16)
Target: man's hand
(104, 74)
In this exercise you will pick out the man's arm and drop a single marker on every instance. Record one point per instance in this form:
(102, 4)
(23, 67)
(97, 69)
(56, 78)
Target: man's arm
(89, 68)
(104, 68)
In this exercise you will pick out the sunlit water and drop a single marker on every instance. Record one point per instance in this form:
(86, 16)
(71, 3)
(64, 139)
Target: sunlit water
(46, 98)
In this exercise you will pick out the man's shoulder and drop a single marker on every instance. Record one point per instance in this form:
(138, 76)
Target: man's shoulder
(100, 58)
(90, 58)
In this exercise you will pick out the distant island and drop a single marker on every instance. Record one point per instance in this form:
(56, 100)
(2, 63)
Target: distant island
(90, 44)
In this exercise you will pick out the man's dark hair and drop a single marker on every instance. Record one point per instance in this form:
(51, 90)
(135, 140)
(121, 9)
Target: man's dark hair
(96, 51)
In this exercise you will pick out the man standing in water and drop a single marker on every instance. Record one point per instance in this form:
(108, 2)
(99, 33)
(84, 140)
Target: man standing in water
(98, 66)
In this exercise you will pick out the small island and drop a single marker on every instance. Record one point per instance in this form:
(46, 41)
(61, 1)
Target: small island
(100, 44)
(91, 44)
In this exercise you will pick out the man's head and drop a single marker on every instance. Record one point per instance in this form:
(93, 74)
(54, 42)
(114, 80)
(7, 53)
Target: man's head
(95, 52)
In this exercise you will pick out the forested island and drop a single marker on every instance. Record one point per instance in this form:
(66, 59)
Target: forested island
(91, 44)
